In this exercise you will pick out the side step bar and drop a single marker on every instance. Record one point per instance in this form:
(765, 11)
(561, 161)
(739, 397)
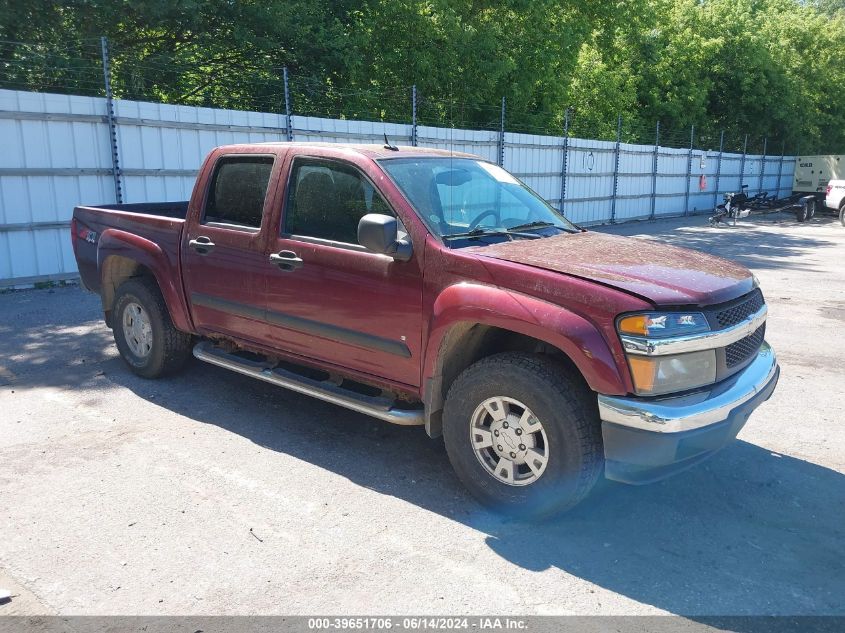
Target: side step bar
(377, 407)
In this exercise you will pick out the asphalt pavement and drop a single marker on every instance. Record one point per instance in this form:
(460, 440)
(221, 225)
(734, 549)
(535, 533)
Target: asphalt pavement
(211, 493)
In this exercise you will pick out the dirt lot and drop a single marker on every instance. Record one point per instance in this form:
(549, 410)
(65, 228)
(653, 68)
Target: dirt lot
(211, 493)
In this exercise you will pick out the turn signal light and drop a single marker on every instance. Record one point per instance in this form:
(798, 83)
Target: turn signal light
(634, 325)
(663, 324)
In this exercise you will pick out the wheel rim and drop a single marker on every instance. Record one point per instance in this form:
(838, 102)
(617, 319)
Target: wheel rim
(137, 330)
(509, 441)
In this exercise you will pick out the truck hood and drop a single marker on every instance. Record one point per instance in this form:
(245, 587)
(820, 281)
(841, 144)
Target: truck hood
(662, 274)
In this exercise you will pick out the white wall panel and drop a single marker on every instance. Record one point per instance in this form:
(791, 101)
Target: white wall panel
(55, 154)
(36, 199)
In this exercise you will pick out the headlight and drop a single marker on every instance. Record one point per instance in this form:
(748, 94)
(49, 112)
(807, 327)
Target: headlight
(663, 324)
(655, 375)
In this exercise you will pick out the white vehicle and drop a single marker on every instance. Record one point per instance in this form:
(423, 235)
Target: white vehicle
(835, 198)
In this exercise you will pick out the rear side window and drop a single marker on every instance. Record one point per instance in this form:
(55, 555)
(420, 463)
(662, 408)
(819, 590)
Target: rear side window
(238, 188)
(327, 199)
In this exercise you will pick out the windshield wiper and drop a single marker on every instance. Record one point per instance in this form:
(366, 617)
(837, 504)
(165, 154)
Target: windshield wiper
(481, 232)
(540, 224)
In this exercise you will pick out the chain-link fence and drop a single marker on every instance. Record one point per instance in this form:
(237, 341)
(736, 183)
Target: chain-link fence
(240, 81)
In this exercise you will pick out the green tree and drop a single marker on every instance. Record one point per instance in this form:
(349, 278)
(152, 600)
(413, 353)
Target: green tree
(766, 68)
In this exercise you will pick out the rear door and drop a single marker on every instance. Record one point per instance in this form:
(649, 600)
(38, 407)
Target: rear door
(329, 298)
(224, 261)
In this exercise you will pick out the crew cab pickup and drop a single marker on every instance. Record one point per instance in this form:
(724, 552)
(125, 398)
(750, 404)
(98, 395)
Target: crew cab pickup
(424, 287)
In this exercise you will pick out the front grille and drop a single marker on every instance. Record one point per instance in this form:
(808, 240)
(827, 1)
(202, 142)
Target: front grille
(740, 311)
(744, 348)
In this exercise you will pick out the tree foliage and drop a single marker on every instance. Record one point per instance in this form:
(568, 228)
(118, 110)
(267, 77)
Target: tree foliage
(765, 68)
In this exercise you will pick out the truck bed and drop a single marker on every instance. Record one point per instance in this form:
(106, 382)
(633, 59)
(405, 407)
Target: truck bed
(158, 222)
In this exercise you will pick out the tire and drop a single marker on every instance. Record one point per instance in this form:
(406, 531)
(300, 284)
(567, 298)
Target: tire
(144, 333)
(802, 212)
(811, 209)
(842, 214)
(567, 412)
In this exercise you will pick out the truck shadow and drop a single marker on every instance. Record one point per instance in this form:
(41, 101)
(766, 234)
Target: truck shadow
(748, 533)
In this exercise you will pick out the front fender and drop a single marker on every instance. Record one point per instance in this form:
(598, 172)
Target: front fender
(164, 267)
(579, 339)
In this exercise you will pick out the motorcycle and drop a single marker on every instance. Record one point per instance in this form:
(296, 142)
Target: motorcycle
(737, 205)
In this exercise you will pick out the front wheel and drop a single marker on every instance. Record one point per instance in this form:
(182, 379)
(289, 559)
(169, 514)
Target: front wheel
(842, 214)
(144, 333)
(523, 435)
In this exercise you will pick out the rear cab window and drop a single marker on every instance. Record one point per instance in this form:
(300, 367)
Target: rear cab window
(237, 192)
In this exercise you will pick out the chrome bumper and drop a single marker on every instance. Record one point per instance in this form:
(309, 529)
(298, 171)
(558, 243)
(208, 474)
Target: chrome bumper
(675, 414)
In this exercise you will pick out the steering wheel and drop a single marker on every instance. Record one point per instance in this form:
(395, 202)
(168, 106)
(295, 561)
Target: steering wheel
(477, 219)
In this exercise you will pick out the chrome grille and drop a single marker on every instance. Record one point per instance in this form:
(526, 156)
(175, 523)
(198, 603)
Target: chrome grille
(744, 348)
(740, 311)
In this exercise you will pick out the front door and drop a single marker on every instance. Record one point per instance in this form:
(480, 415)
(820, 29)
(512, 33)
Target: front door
(330, 298)
(224, 260)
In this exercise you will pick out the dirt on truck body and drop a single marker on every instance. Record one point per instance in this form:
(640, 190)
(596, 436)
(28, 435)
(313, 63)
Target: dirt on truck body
(430, 288)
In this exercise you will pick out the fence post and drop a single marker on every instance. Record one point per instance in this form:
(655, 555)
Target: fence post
(689, 169)
(654, 170)
(719, 169)
(502, 137)
(414, 115)
(616, 169)
(742, 163)
(780, 167)
(763, 163)
(288, 128)
(563, 165)
(115, 156)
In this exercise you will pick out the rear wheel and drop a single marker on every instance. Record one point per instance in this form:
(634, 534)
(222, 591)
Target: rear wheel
(144, 333)
(842, 213)
(523, 435)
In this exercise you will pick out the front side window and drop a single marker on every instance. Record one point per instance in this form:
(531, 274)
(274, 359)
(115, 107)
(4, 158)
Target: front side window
(327, 199)
(456, 196)
(237, 191)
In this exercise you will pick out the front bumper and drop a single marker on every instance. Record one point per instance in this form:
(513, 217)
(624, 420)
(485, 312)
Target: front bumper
(647, 439)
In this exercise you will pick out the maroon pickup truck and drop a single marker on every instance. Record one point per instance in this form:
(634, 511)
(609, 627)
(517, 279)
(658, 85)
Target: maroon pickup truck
(433, 288)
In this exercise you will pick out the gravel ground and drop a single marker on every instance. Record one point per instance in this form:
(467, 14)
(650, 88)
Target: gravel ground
(211, 493)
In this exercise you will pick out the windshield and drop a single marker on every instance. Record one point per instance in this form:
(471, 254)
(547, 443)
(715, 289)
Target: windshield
(465, 197)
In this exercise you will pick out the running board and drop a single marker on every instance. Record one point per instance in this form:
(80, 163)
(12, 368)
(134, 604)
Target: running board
(374, 406)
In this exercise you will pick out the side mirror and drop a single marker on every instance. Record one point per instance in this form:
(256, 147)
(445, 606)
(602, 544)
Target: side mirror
(379, 233)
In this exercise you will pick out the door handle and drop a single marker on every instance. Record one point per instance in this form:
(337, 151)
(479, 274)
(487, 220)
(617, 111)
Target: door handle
(287, 261)
(202, 245)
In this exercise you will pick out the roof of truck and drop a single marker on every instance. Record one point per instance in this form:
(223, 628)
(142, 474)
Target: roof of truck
(373, 151)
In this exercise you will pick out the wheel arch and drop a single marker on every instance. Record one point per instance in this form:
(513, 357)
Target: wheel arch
(122, 256)
(115, 270)
(465, 330)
